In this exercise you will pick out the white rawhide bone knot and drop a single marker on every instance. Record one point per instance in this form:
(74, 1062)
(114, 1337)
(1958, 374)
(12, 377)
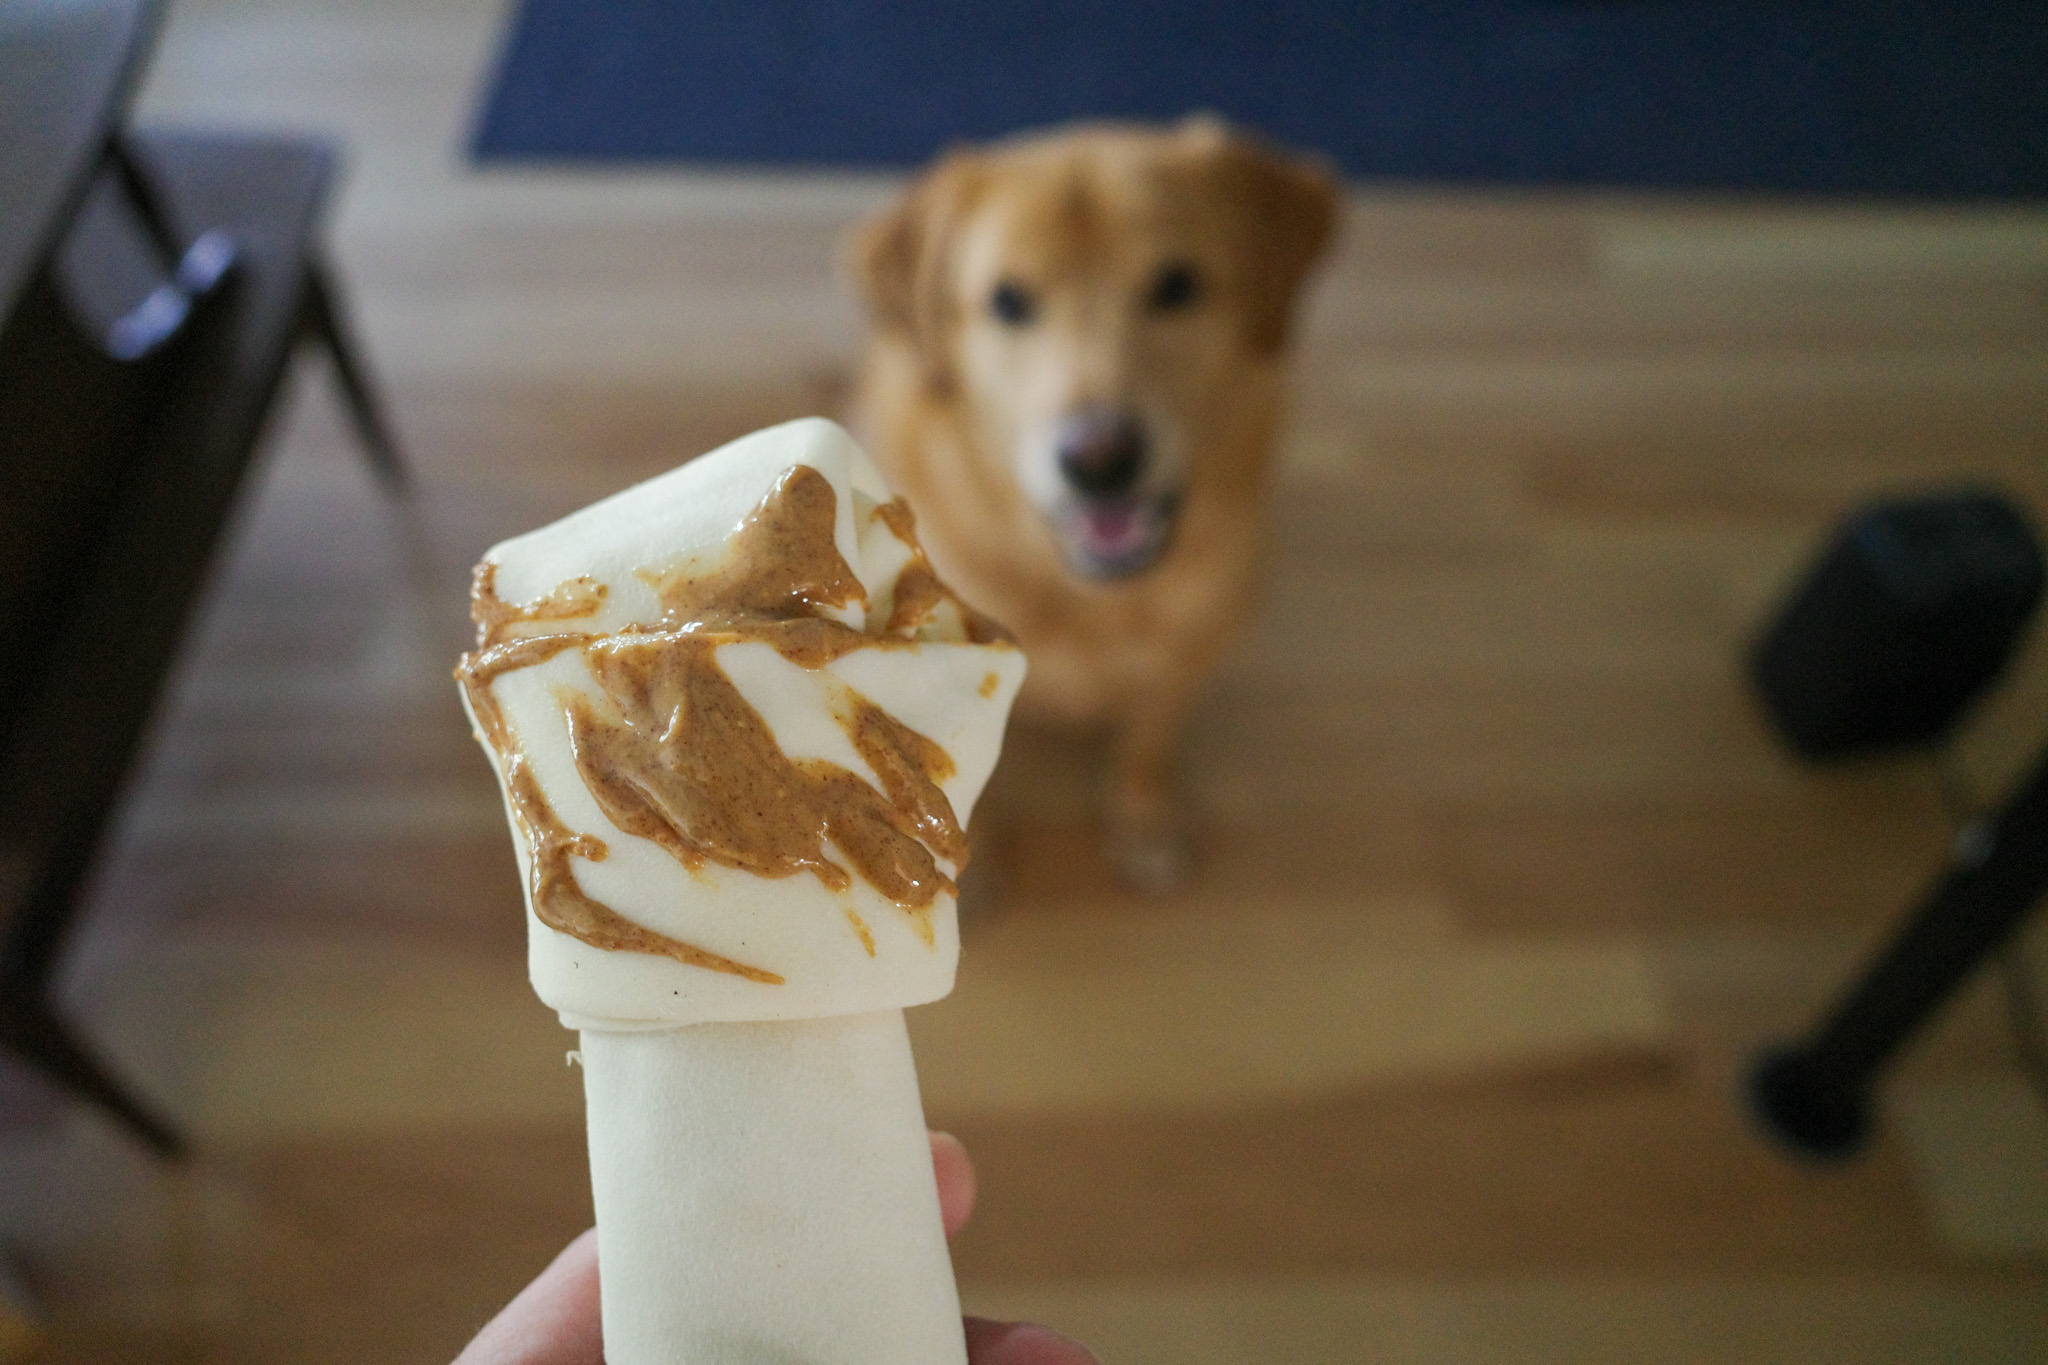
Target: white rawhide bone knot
(740, 726)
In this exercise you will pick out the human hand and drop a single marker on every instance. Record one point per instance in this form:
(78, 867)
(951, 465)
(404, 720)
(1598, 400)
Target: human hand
(554, 1320)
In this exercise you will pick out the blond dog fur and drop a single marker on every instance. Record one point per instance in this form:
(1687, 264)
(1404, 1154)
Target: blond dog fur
(1157, 270)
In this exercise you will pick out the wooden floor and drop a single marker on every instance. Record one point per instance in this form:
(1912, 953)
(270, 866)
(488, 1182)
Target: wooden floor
(1523, 879)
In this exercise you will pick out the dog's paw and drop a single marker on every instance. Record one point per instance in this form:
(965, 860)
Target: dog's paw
(1149, 845)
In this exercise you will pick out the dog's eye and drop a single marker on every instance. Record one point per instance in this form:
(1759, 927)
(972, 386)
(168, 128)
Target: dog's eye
(1012, 304)
(1176, 286)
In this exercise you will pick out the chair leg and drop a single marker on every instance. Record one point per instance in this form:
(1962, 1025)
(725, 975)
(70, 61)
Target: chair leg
(144, 199)
(30, 1029)
(324, 323)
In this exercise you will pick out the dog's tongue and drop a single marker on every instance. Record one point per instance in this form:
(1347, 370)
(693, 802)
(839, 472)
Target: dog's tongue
(1114, 529)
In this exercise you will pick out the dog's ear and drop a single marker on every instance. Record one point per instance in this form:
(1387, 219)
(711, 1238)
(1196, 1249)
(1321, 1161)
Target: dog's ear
(882, 259)
(1283, 210)
(899, 260)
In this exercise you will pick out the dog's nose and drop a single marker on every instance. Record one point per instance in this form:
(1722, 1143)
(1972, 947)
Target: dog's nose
(1101, 453)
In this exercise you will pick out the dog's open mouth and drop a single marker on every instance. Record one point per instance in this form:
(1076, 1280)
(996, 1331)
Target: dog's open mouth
(1114, 537)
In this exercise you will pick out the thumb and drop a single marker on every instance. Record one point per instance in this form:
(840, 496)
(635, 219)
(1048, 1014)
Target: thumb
(1021, 1343)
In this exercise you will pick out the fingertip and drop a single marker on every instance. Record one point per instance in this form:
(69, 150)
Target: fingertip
(578, 1261)
(957, 1183)
(1021, 1343)
(555, 1319)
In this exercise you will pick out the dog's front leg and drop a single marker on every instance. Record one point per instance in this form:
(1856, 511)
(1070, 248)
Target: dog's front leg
(1148, 834)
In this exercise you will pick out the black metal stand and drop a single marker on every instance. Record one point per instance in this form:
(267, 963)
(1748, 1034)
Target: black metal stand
(1814, 1094)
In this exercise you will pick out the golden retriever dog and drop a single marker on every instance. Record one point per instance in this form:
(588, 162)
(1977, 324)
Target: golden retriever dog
(1075, 376)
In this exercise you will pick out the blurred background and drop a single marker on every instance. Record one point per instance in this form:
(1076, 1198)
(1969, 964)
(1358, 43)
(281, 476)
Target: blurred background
(1505, 877)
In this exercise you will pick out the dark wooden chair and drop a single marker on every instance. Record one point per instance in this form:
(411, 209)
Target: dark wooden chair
(137, 367)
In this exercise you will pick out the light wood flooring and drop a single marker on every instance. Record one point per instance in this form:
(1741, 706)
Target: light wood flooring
(1503, 879)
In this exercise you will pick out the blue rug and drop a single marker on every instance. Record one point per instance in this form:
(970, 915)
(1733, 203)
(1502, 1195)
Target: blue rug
(1905, 98)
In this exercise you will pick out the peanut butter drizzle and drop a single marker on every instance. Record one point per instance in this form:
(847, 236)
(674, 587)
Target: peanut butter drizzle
(684, 760)
(919, 589)
(557, 900)
(860, 927)
(494, 616)
(674, 753)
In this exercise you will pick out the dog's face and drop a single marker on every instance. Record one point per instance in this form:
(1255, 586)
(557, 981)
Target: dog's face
(1090, 300)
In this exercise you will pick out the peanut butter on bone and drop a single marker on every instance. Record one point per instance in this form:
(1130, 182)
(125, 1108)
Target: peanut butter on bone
(673, 753)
